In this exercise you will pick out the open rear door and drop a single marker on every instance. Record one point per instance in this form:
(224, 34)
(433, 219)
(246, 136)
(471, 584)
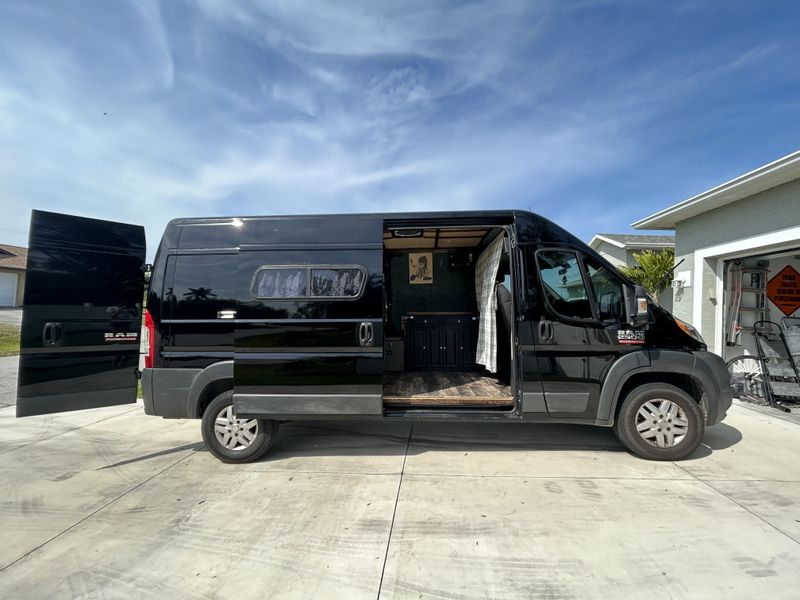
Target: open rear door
(82, 314)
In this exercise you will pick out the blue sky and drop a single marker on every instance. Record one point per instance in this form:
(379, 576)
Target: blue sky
(593, 113)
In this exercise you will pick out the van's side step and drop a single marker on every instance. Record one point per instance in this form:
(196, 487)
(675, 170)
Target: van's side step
(448, 402)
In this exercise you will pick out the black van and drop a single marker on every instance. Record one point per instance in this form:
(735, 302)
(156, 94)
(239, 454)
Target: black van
(253, 321)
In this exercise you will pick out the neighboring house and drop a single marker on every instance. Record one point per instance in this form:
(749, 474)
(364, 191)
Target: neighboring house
(619, 249)
(12, 274)
(741, 235)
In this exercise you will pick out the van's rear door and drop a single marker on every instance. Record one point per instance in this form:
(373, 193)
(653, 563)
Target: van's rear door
(82, 314)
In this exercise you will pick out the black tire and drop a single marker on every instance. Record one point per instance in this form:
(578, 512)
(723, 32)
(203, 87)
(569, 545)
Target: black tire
(242, 450)
(662, 397)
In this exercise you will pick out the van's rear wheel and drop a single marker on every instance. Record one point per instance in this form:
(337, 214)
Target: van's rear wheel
(658, 421)
(234, 440)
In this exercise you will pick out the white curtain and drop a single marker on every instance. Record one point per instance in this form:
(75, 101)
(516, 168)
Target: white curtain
(485, 276)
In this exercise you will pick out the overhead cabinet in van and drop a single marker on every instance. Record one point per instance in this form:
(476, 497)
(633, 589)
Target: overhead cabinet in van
(253, 321)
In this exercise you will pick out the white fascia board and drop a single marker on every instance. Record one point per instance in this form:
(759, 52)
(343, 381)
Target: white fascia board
(653, 245)
(771, 175)
(602, 238)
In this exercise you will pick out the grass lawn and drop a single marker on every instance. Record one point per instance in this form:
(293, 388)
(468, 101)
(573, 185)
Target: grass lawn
(9, 339)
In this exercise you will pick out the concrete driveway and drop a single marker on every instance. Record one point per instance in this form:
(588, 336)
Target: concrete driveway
(115, 504)
(12, 316)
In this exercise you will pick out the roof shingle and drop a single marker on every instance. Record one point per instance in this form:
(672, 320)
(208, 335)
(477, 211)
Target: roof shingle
(13, 257)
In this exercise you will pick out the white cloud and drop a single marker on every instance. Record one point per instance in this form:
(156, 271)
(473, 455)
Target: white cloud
(217, 107)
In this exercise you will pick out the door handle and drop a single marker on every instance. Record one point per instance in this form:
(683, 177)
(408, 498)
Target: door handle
(545, 330)
(226, 314)
(365, 334)
(52, 334)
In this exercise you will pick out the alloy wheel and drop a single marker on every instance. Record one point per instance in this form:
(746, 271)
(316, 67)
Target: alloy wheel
(233, 433)
(662, 423)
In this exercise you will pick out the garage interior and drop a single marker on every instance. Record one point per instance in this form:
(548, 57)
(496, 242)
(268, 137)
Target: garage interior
(761, 327)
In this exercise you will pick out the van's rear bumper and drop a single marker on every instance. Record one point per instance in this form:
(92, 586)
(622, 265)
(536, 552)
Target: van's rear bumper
(165, 392)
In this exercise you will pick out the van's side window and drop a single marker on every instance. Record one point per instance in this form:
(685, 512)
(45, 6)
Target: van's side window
(607, 290)
(203, 284)
(309, 282)
(337, 282)
(563, 283)
(281, 283)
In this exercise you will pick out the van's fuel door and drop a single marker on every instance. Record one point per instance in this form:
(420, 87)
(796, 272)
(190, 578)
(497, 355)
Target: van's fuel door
(81, 315)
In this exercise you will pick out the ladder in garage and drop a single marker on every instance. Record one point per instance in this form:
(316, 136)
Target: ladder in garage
(781, 377)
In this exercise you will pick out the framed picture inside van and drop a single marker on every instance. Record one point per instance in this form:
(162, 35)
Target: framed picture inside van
(420, 268)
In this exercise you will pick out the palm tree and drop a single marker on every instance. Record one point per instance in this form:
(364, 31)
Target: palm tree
(653, 270)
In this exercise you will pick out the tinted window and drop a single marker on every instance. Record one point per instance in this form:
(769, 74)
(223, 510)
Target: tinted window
(563, 283)
(607, 290)
(204, 284)
(309, 282)
(281, 283)
(336, 282)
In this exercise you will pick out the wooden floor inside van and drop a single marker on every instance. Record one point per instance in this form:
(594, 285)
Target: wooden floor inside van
(444, 389)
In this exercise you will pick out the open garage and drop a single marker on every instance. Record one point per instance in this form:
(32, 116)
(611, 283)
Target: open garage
(737, 280)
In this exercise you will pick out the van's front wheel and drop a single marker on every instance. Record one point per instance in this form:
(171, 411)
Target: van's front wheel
(658, 421)
(234, 440)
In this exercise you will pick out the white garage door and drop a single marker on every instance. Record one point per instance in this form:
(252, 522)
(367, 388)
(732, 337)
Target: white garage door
(8, 289)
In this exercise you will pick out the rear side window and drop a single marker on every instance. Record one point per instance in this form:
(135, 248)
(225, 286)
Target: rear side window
(563, 283)
(203, 284)
(331, 282)
(281, 283)
(336, 282)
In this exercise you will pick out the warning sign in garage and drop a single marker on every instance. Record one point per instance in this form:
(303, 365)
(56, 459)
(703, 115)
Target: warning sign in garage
(784, 290)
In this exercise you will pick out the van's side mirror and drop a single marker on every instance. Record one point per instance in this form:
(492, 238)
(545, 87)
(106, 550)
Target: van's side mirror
(636, 305)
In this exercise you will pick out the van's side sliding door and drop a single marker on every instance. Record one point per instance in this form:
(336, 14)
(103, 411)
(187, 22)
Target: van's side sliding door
(309, 324)
(82, 314)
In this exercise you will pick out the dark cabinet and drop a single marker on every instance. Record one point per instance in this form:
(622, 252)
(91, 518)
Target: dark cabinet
(441, 343)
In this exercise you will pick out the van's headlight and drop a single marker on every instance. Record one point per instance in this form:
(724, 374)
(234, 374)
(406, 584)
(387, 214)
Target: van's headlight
(689, 330)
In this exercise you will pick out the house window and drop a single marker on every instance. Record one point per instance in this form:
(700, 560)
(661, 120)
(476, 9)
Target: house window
(330, 282)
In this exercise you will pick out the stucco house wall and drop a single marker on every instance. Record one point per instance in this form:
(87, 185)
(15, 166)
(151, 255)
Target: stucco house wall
(619, 257)
(766, 212)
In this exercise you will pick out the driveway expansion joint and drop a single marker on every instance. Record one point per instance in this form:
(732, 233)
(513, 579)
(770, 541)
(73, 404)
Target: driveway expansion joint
(94, 512)
(394, 510)
(70, 430)
(742, 506)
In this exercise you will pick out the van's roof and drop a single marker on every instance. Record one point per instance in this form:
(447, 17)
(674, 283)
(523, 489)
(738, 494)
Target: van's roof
(348, 229)
(433, 215)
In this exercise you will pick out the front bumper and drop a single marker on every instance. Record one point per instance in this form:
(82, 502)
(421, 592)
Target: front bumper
(712, 373)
